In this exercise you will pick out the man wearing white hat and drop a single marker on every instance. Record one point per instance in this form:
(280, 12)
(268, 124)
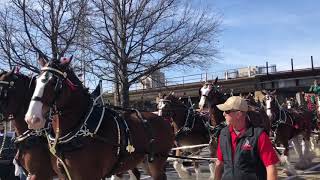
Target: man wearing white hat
(244, 152)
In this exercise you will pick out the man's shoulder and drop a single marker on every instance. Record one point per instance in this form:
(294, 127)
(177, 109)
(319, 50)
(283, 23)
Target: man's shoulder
(225, 130)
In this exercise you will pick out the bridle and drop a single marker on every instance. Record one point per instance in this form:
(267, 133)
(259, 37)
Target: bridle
(170, 111)
(61, 77)
(283, 114)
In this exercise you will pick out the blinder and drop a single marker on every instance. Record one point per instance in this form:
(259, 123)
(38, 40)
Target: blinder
(60, 77)
(4, 88)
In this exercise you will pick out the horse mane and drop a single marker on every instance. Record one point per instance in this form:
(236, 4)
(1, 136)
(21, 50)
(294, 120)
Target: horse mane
(174, 99)
(71, 75)
(3, 72)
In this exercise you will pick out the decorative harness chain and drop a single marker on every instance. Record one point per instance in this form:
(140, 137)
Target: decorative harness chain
(4, 137)
(282, 112)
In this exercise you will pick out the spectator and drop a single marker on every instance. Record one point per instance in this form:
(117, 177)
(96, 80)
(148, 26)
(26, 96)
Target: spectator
(243, 152)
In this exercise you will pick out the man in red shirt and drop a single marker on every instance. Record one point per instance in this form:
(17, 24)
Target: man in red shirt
(243, 152)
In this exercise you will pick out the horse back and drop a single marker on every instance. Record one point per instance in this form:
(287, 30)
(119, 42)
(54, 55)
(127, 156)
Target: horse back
(149, 127)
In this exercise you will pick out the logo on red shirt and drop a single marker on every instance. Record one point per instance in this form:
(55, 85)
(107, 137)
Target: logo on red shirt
(246, 146)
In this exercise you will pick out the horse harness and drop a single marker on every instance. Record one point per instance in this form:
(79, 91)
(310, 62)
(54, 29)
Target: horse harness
(283, 117)
(90, 127)
(189, 122)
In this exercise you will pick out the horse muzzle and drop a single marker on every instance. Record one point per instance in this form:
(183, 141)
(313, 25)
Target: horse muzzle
(34, 122)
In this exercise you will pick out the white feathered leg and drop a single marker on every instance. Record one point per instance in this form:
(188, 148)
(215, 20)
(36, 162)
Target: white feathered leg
(308, 155)
(181, 170)
(132, 176)
(299, 146)
(197, 170)
(211, 168)
(289, 170)
(115, 177)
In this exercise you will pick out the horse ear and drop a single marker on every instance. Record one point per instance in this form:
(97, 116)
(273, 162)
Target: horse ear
(12, 70)
(273, 92)
(17, 69)
(264, 92)
(171, 93)
(42, 61)
(65, 61)
(215, 81)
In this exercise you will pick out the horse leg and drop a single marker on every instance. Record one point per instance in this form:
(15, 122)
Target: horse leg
(212, 166)
(197, 169)
(289, 170)
(299, 147)
(308, 154)
(134, 174)
(116, 177)
(178, 166)
(157, 168)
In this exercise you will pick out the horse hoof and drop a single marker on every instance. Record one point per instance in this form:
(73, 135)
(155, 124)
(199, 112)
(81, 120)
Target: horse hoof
(182, 171)
(289, 173)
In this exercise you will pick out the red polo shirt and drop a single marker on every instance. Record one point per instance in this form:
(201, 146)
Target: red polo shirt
(266, 152)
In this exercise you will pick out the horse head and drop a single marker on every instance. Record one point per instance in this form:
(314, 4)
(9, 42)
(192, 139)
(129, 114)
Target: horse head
(290, 103)
(15, 94)
(170, 105)
(213, 97)
(271, 103)
(59, 91)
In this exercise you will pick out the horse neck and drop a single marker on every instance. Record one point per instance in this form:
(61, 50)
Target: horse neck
(72, 116)
(18, 121)
(20, 125)
(180, 116)
(216, 115)
(275, 111)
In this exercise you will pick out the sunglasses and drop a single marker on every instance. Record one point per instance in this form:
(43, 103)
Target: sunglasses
(230, 111)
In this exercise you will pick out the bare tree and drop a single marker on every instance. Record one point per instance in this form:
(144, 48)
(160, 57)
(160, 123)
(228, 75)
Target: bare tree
(134, 38)
(48, 27)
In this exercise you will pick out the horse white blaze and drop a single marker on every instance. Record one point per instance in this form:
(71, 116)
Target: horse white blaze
(34, 116)
(268, 105)
(161, 105)
(289, 104)
(204, 93)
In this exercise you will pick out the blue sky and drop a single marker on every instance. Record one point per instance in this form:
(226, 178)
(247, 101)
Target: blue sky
(254, 32)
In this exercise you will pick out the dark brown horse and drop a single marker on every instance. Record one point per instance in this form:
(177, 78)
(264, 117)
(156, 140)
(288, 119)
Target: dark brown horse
(15, 94)
(287, 124)
(190, 127)
(256, 115)
(95, 141)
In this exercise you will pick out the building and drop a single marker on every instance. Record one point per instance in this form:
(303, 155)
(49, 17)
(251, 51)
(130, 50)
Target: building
(155, 80)
(249, 71)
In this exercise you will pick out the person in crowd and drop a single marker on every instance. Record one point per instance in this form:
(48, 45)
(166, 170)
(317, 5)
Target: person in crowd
(244, 152)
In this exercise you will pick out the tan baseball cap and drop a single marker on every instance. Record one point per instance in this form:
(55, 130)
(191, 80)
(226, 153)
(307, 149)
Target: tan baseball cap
(234, 103)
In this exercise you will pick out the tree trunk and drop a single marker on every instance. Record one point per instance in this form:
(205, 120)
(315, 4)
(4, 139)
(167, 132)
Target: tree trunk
(124, 84)
(124, 95)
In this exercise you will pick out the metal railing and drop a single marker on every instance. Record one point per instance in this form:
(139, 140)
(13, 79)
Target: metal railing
(223, 75)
